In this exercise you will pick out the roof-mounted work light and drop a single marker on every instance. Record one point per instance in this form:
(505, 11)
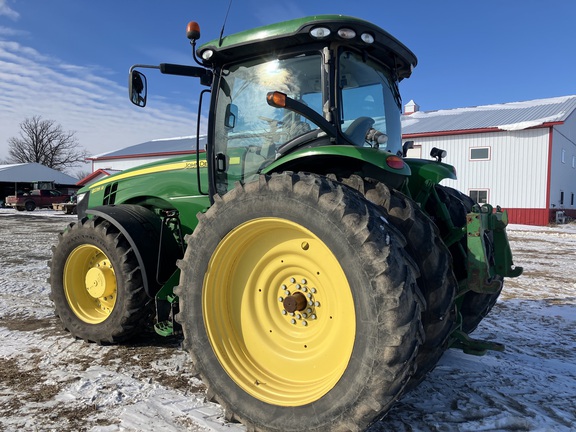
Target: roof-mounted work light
(437, 153)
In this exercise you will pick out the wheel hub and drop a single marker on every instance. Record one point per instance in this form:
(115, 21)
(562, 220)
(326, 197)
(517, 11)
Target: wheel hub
(100, 282)
(295, 302)
(90, 284)
(299, 301)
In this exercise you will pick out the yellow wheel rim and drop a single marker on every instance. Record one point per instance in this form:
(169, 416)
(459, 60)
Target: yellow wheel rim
(90, 284)
(279, 312)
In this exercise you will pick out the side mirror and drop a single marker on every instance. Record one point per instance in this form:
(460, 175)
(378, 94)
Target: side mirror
(231, 116)
(137, 88)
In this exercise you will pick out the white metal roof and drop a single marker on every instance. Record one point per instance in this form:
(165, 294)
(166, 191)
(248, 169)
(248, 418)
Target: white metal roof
(507, 116)
(33, 172)
(155, 147)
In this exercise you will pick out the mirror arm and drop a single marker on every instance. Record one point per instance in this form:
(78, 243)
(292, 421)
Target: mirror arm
(204, 74)
(142, 66)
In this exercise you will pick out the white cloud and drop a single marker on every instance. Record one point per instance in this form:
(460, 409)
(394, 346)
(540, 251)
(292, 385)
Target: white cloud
(7, 11)
(80, 98)
(7, 31)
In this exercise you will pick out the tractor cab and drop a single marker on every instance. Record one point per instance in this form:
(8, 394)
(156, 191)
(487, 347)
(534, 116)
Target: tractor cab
(294, 86)
(268, 109)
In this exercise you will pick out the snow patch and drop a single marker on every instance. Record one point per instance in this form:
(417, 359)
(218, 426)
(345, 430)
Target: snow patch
(49, 381)
(532, 123)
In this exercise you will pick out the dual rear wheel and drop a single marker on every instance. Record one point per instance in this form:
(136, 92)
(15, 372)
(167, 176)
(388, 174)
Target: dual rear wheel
(436, 279)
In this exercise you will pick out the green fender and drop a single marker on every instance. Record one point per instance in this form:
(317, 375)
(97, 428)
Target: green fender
(322, 159)
(428, 170)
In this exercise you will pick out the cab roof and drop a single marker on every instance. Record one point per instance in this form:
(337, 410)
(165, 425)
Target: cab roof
(294, 33)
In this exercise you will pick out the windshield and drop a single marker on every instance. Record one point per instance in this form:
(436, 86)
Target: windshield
(248, 130)
(368, 92)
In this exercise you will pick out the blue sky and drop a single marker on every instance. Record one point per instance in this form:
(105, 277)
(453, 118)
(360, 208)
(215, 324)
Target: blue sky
(67, 60)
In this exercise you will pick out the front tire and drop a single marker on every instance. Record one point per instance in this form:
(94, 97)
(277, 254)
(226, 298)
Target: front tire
(96, 284)
(264, 256)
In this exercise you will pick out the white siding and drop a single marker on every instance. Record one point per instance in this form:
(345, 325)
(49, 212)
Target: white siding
(563, 177)
(516, 174)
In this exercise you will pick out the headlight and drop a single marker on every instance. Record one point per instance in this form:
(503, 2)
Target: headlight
(320, 32)
(82, 204)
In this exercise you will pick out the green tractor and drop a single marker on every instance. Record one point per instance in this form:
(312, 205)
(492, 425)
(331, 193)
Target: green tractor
(314, 271)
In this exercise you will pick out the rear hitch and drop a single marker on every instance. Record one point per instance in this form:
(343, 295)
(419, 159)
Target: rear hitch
(472, 346)
(486, 225)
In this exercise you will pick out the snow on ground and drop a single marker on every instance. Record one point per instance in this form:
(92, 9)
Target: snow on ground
(51, 382)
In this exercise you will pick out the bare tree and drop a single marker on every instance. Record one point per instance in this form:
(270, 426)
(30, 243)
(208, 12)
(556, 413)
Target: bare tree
(45, 142)
(80, 174)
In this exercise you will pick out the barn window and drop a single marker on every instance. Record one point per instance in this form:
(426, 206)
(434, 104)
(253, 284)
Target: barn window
(415, 152)
(561, 197)
(479, 153)
(479, 195)
(572, 199)
(573, 161)
(563, 156)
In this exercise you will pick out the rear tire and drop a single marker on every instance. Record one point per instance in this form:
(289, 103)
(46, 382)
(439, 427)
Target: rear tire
(96, 284)
(30, 205)
(348, 360)
(436, 280)
(475, 306)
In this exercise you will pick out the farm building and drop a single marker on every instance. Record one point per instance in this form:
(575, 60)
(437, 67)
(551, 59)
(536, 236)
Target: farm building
(22, 177)
(520, 155)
